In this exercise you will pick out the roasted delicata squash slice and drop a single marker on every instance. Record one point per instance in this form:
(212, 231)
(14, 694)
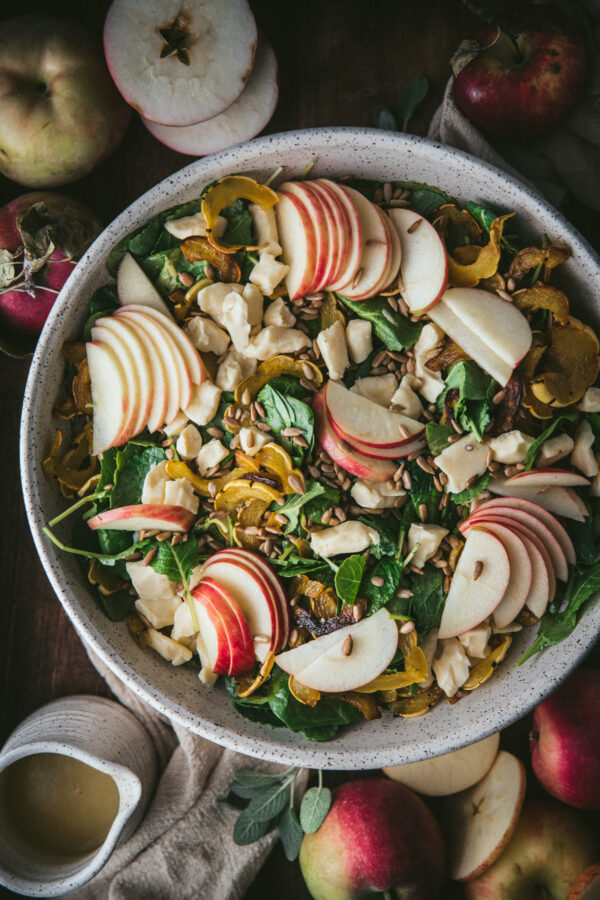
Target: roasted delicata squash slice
(196, 249)
(224, 193)
(484, 669)
(570, 364)
(416, 668)
(76, 466)
(331, 313)
(467, 265)
(449, 214)
(271, 368)
(176, 469)
(527, 370)
(105, 578)
(247, 685)
(543, 296)
(531, 257)
(412, 707)
(449, 354)
(303, 694)
(240, 491)
(364, 703)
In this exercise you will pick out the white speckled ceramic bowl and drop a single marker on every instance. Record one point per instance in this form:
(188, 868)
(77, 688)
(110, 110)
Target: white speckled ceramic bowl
(369, 153)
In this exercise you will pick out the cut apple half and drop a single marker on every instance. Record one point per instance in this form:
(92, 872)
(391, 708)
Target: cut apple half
(480, 821)
(521, 573)
(298, 244)
(240, 122)
(134, 287)
(179, 64)
(110, 396)
(224, 629)
(543, 515)
(497, 323)
(376, 249)
(478, 584)
(346, 658)
(451, 772)
(424, 265)
(367, 423)
(355, 236)
(562, 501)
(144, 517)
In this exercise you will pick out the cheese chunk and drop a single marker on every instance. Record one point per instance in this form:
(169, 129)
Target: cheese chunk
(156, 592)
(374, 494)
(378, 388)
(334, 350)
(590, 402)
(160, 613)
(193, 226)
(582, 456)
(268, 272)
(177, 425)
(476, 640)
(210, 299)
(206, 335)
(429, 538)
(451, 667)
(275, 339)
(264, 224)
(180, 492)
(171, 650)
(461, 461)
(431, 383)
(234, 318)
(278, 313)
(233, 369)
(211, 455)
(511, 447)
(553, 449)
(406, 397)
(359, 338)
(255, 303)
(205, 402)
(183, 627)
(189, 442)
(347, 537)
(153, 490)
(252, 440)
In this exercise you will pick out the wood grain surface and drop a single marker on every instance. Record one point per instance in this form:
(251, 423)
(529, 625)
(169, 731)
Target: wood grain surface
(338, 59)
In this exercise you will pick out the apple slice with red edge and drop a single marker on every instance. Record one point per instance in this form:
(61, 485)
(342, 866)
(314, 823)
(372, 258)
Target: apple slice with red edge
(340, 239)
(213, 643)
(231, 628)
(144, 517)
(367, 423)
(396, 253)
(158, 377)
(192, 358)
(382, 452)
(376, 249)
(355, 235)
(550, 478)
(110, 396)
(424, 265)
(480, 821)
(521, 573)
(550, 521)
(318, 215)
(134, 387)
(562, 501)
(298, 244)
(345, 456)
(134, 286)
(587, 885)
(478, 584)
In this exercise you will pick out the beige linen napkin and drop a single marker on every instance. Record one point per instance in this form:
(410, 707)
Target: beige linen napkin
(183, 849)
(568, 160)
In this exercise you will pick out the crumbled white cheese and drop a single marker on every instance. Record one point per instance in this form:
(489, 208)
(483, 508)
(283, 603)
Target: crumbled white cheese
(582, 456)
(374, 494)
(155, 592)
(265, 228)
(189, 442)
(181, 493)
(334, 350)
(279, 313)
(204, 404)
(177, 425)
(234, 318)
(233, 369)
(359, 338)
(211, 455)
(428, 537)
(206, 675)
(511, 447)
(406, 397)
(193, 226)
(429, 646)
(590, 402)
(347, 537)
(252, 440)
(153, 490)
(210, 299)
(171, 650)
(451, 667)
(431, 383)
(378, 388)
(255, 303)
(268, 272)
(461, 461)
(273, 340)
(206, 335)
(476, 640)
(183, 627)
(553, 449)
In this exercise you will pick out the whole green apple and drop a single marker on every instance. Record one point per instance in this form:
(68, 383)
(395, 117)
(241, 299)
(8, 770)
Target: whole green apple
(377, 836)
(60, 113)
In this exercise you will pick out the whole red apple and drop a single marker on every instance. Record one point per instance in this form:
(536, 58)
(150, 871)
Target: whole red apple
(377, 836)
(521, 86)
(565, 741)
(552, 844)
(60, 113)
(41, 236)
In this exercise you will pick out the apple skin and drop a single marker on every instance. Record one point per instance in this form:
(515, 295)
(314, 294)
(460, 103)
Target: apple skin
(54, 82)
(521, 93)
(589, 878)
(566, 738)
(377, 836)
(551, 846)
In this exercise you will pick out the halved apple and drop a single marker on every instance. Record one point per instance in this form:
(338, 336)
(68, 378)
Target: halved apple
(344, 659)
(355, 237)
(424, 264)
(376, 249)
(134, 286)
(478, 584)
(481, 820)
(144, 516)
(451, 772)
(547, 518)
(110, 396)
(562, 501)
(368, 423)
(224, 629)
(298, 244)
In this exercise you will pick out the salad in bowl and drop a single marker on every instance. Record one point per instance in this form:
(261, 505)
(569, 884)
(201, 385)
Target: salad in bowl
(334, 445)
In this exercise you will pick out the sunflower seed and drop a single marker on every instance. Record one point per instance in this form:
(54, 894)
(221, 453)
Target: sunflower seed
(295, 484)
(407, 628)
(215, 432)
(414, 226)
(347, 645)
(478, 569)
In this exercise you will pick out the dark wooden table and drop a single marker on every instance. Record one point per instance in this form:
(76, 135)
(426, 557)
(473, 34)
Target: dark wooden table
(338, 60)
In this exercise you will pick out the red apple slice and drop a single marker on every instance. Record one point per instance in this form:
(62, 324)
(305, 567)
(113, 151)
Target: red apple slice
(179, 88)
(521, 573)
(366, 422)
(240, 122)
(481, 820)
(159, 376)
(396, 253)
(231, 629)
(298, 244)
(134, 388)
(213, 643)
(549, 478)
(424, 265)
(375, 250)
(316, 212)
(562, 501)
(478, 584)
(144, 517)
(192, 358)
(110, 397)
(350, 460)
(340, 238)
(134, 286)
(382, 452)
(547, 518)
(355, 235)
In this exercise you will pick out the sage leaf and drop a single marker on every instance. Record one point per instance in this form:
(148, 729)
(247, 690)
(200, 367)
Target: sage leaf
(269, 802)
(413, 95)
(315, 806)
(348, 577)
(254, 779)
(290, 832)
(385, 118)
(247, 829)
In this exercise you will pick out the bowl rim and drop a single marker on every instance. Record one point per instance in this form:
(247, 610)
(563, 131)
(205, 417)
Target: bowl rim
(269, 747)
